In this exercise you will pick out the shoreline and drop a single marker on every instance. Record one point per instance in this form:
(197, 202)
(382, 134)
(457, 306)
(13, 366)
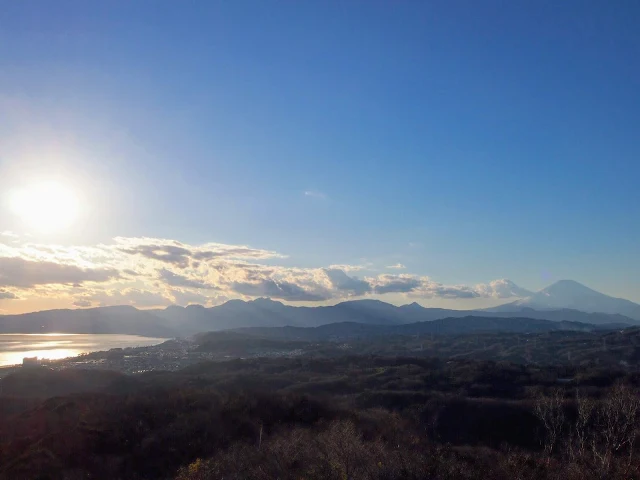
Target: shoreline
(52, 348)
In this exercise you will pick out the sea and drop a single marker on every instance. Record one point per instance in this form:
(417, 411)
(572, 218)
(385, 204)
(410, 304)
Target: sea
(15, 346)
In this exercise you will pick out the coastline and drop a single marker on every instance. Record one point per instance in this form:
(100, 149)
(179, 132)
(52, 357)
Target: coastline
(55, 347)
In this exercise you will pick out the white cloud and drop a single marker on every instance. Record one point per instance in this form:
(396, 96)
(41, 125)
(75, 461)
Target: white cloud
(156, 272)
(397, 266)
(350, 268)
(82, 303)
(502, 288)
(429, 289)
(396, 283)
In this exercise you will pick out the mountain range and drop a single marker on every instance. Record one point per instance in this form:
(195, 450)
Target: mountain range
(564, 301)
(447, 326)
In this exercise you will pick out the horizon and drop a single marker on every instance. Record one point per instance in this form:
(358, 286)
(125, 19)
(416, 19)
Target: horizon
(460, 156)
(307, 304)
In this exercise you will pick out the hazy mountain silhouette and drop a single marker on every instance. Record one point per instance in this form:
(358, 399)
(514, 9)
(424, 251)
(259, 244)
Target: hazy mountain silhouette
(445, 326)
(573, 295)
(268, 313)
(564, 301)
(120, 319)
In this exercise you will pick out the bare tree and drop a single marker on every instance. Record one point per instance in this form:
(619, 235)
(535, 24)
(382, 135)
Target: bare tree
(581, 434)
(616, 424)
(550, 410)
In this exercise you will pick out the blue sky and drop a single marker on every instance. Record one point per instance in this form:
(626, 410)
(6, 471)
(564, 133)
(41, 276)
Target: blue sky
(467, 140)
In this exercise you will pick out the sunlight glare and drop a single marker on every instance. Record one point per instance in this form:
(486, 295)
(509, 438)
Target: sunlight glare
(46, 207)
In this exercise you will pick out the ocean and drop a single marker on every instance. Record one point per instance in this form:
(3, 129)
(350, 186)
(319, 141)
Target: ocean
(15, 346)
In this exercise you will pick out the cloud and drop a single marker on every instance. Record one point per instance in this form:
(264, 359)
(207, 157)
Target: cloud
(82, 303)
(397, 266)
(177, 280)
(145, 271)
(230, 251)
(421, 287)
(350, 268)
(7, 295)
(274, 289)
(502, 288)
(315, 194)
(181, 255)
(164, 253)
(18, 272)
(395, 283)
(129, 296)
(448, 291)
(349, 285)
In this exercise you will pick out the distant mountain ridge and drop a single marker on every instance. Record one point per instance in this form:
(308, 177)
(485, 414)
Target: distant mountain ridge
(268, 313)
(569, 294)
(122, 319)
(447, 326)
(262, 312)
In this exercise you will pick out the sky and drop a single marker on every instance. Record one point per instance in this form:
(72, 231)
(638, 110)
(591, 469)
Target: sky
(159, 152)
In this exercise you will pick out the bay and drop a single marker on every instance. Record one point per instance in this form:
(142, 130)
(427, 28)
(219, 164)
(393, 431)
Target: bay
(15, 346)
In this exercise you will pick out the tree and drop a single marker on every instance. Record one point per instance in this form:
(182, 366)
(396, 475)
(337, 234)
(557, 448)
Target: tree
(550, 410)
(615, 429)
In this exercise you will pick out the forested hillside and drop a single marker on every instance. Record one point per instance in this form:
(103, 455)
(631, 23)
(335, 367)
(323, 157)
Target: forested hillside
(349, 417)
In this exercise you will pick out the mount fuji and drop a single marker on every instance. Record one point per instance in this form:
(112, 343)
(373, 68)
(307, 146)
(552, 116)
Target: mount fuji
(569, 294)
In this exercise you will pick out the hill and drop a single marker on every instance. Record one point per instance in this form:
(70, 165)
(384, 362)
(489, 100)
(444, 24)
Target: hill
(446, 326)
(362, 417)
(45, 382)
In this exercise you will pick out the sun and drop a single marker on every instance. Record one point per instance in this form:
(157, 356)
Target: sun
(47, 207)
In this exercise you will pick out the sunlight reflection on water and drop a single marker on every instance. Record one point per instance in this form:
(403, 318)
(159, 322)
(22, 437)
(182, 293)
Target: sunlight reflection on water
(14, 347)
(13, 358)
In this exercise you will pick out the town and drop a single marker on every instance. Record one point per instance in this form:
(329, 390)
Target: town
(171, 355)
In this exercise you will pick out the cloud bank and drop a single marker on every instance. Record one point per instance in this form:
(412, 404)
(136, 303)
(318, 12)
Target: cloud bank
(154, 272)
